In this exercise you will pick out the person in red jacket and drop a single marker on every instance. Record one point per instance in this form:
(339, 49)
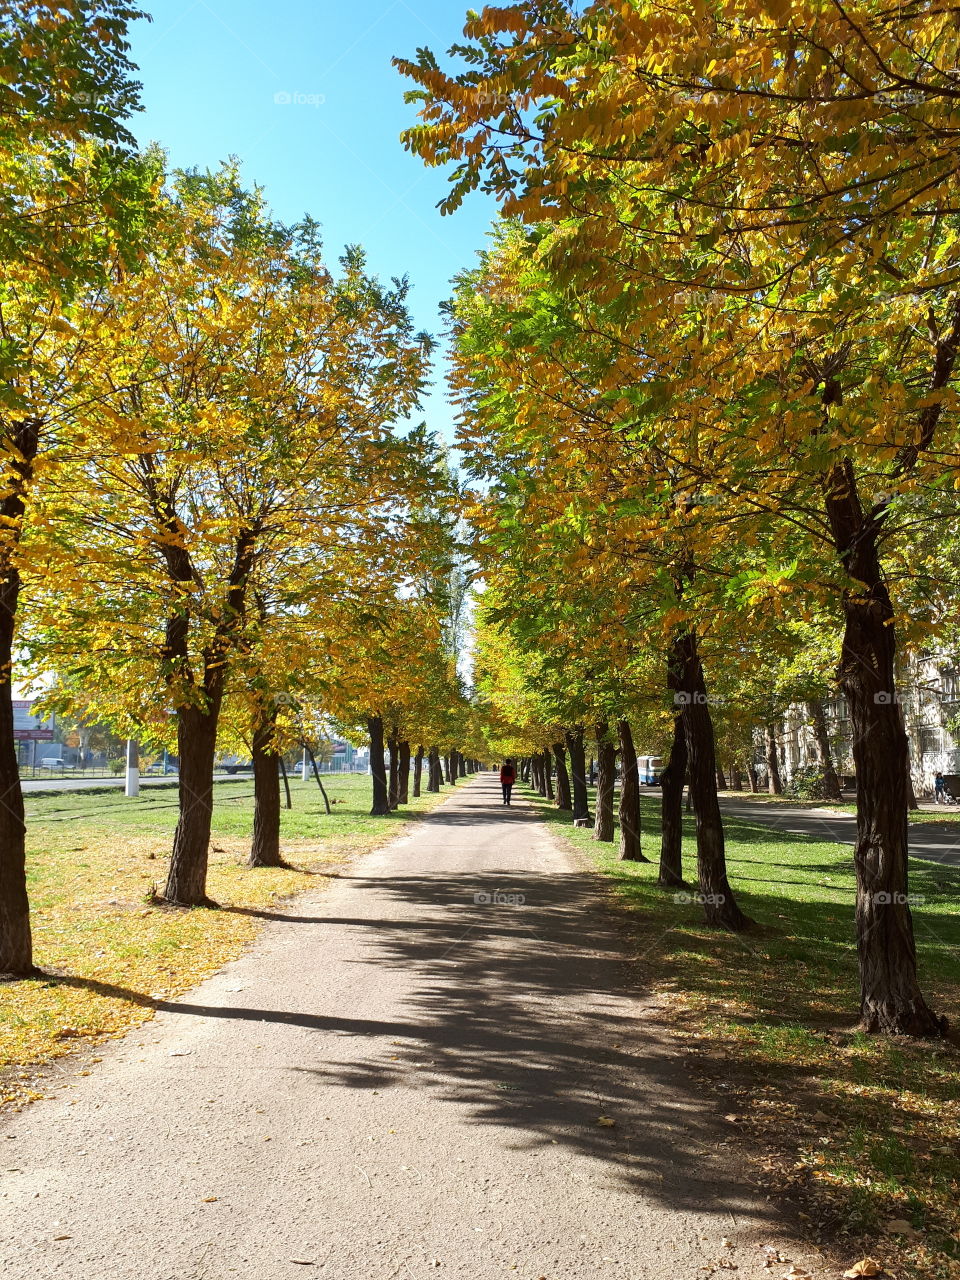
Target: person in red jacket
(508, 776)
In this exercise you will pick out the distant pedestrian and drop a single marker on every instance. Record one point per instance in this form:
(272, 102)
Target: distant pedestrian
(940, 789)
(508, 776)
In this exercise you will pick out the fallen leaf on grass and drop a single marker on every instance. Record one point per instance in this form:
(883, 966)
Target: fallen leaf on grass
(865, 1267)
(900, 1227)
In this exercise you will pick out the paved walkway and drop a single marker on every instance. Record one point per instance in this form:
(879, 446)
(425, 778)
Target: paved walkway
(928, 840)
(437, 1067)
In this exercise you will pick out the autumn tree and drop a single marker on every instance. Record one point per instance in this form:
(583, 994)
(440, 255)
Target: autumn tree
(73, 199)
(251, 398)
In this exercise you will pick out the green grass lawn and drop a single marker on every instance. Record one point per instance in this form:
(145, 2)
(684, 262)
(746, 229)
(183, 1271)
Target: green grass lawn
(864, 1131)
(109, 952)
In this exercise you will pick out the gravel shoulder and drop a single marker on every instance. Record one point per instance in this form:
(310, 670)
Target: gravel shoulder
(438, 1066)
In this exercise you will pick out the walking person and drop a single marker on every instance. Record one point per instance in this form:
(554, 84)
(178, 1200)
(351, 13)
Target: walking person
(508, 776)
(939, 789)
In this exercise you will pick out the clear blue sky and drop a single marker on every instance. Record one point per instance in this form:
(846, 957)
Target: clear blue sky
(302, 91)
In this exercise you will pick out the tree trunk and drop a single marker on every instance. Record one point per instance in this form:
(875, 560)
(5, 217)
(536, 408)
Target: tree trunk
(774, 781)
(890, 997)
(753, 776)
(418, 773)
(606, 779)
(578, 773)
(721, 780)
(393, 748)
(736, 778)
(265, 851)
(286, 783)
(197, 747)
(403, 790)
(463, 765)
(316, 774)
(818, 719)
(563, 778)
(434, 770)
(671, 810)
(719, 905)
(16, 942)
(630, 850)
(548, 774)
(378, 768)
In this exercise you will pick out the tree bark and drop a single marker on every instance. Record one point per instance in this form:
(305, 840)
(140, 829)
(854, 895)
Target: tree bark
(393, 747)
(719, 905)
(434, 771)
(774, 781)
(671, 810)
(578, 773)
(721, 780)
(286, 783)
(818, 720)
(606, 778)
(265, 850)
(16, 941)
(316, 774)
(197, 747)
(754, 777)
(403, 786)
(547, 759)
(630, 850)
(378, 768)
(890, 997)
(418, 773)
(563, 778)
(463, 765)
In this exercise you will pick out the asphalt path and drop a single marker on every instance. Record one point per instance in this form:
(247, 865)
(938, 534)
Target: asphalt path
(440, 1065)
(934, 842)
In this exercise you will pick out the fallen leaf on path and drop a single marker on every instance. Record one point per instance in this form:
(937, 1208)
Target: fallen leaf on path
(180, 1053)
(733, 1119)
(726, 1244)
(211, 1199)
(796, 1273)
(304, 1262)
(865, 1267)
(63, 1237)
(605, 1122)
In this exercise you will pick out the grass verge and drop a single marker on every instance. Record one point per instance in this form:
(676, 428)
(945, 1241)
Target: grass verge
(109, 954)
(863, 1133)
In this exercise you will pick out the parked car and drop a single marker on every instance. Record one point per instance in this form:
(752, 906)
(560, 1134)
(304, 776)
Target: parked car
(55, 762)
